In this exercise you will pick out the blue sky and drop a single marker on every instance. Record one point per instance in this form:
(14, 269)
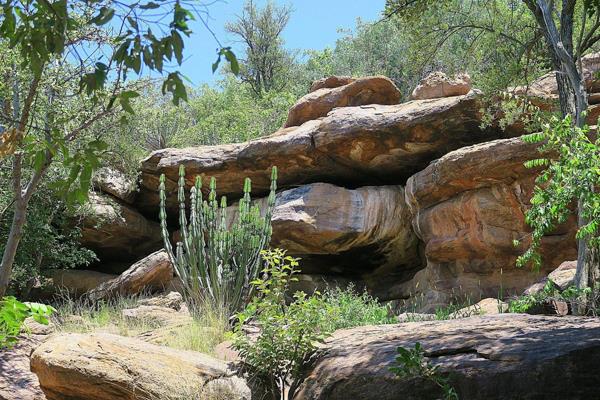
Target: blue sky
(314, 24)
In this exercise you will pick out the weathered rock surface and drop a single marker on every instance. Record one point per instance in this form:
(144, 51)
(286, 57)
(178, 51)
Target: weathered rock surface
(351, 146)
(17, 382)
(488, 358)
(562, 277)
(171, 299)
(358, 92)
(111, 367)
(438, 84)
(331, 82)
(469, 206)
(363, 235)
(78, 282)
(117, 231)
(152, 272)
(115, 183)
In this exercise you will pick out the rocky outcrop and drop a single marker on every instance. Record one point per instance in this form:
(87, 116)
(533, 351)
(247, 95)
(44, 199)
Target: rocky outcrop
(117, 231)
(358, 92)
(111, 367)
(562, 278)
(437, 85)
(487, 358)
(351, 146)
(469, 206)
(152, 272)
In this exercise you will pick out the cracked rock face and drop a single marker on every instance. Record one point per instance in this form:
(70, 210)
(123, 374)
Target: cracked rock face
(111, 367)
(505, 356)
(351, 146)
(468, 207)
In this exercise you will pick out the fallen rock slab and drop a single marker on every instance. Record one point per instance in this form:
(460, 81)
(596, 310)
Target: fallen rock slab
(331, 82)
(77, 282)
(112, 367)
(351, 146)
(505, 356)
(358, 92)
(152, 272)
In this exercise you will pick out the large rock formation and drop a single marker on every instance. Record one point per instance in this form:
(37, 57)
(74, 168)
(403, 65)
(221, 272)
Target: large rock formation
(77, 282)
(117, 231)
(506, 356)
(358, 92)
(111, 367)
(469, 206)
(363, 233)
(351, 146)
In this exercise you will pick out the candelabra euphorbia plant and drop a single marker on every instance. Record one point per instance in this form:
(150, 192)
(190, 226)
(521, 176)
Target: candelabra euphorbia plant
(217, 259)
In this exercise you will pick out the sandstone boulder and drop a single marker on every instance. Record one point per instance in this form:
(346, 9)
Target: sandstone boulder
(562, 277)
(78, 282)
(483, 307)
(469, 206)
(358, 92)
(490, 357)
(331, 82)
(363, 234)
(354, 146)
(111, 367)
(115, 183)
(438, 84)
(152, 272)
(173, 300)
(117, 231)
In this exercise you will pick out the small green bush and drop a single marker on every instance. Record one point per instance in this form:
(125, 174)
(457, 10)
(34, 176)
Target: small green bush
(288, 333)
(12, 315)
(411, 363)
(525, 303)
(346, 308)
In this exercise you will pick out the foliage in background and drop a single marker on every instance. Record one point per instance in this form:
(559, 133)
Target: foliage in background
(13, 314)
(217, 259)
(411, 363)
(266, 66)
(50, 236)
(527, 302)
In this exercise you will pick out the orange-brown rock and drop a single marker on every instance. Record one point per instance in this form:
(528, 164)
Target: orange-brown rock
(354, 146)
(438, 84)
(362, 91)
(152, 272)
(331, 82)
(469, 206)
(117, 231)
(495, 357)
(111, 367)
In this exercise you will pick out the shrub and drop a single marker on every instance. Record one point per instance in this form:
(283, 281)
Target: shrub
(525, 303)
(217, 260)
(12, 315)
(411, 363)
(289, 333)
(346, 308)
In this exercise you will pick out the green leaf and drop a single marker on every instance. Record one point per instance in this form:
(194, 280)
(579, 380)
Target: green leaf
(104, 16)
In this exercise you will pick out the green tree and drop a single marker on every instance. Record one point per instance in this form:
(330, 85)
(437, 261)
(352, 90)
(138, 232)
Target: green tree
(266, 64)
(75, 56)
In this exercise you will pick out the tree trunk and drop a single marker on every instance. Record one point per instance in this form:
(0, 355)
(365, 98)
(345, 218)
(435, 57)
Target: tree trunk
(10, 251)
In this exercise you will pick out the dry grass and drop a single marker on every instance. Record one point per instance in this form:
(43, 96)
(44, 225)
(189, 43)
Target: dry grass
(207, 327)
